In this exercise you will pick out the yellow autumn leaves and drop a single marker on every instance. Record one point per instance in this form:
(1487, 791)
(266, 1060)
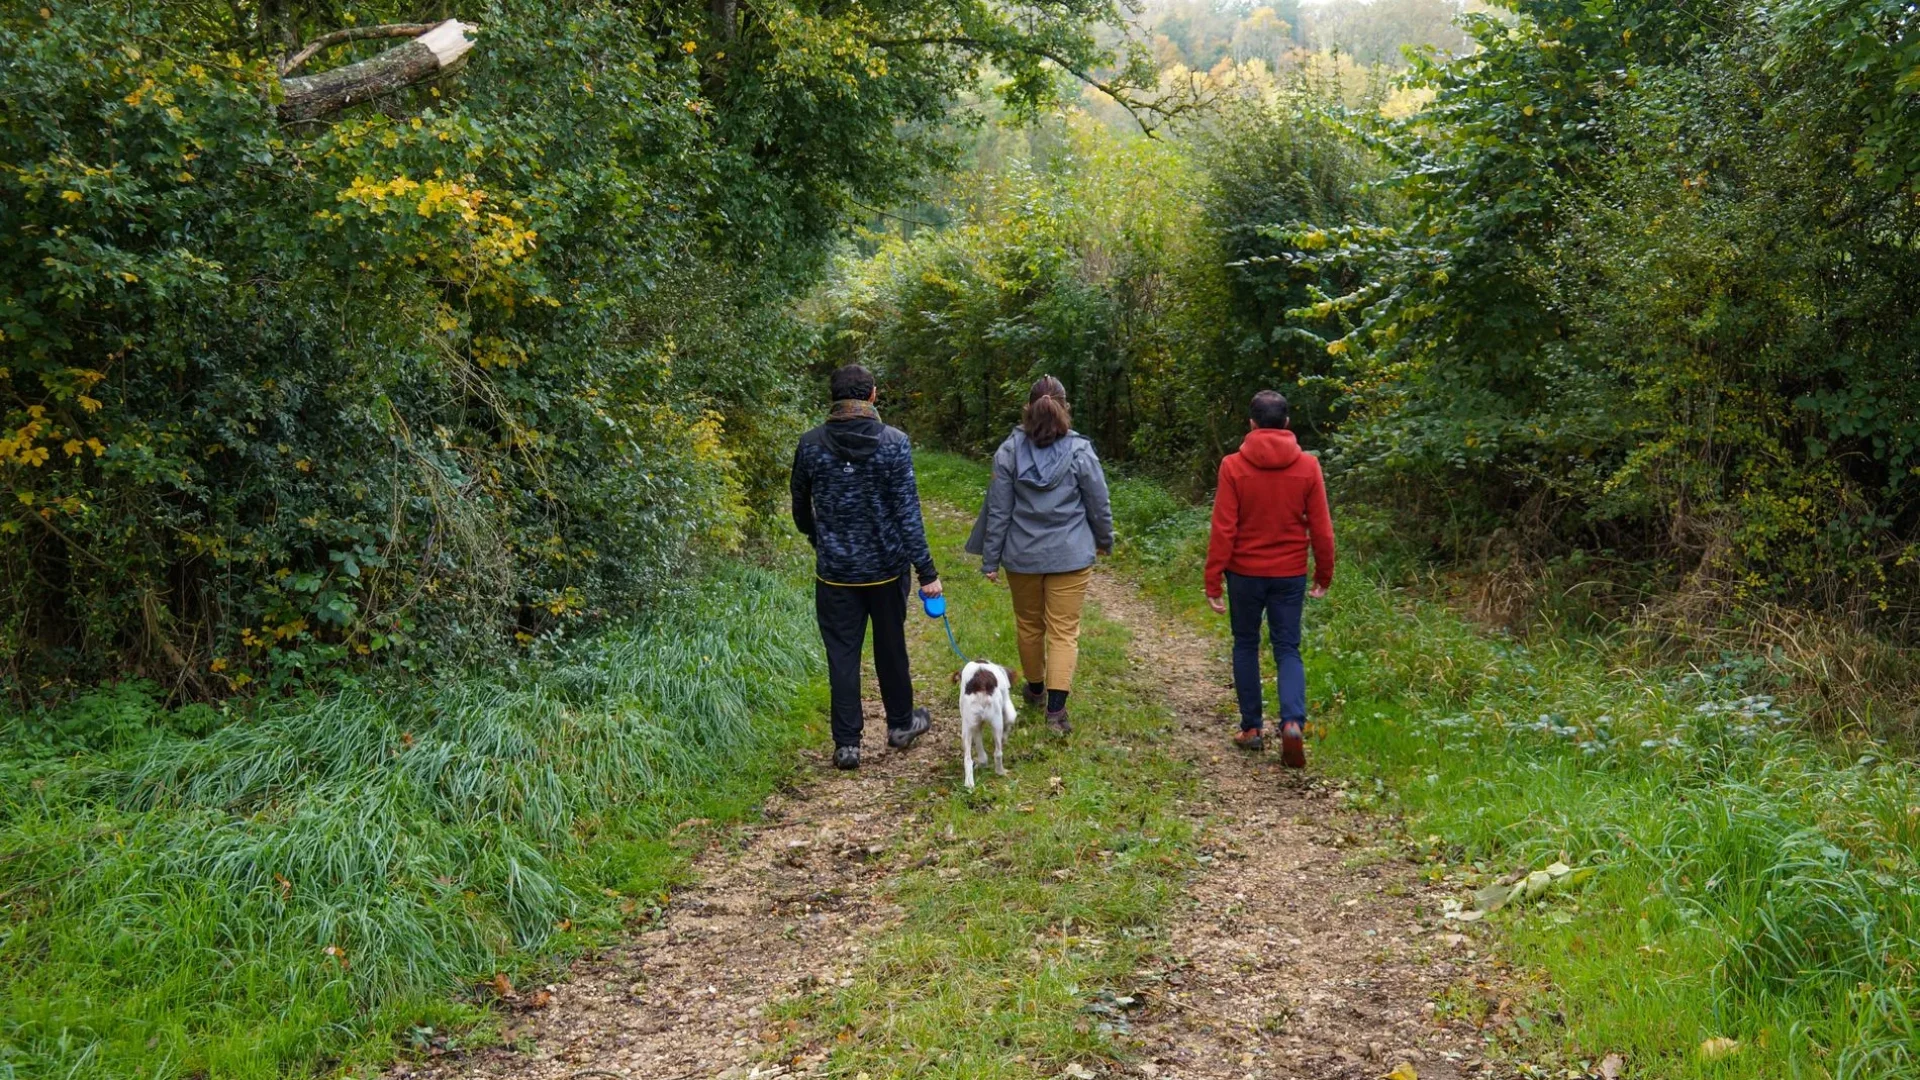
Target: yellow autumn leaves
(30, 443)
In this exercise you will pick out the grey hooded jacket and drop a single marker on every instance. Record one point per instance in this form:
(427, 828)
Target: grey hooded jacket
(1046, 511)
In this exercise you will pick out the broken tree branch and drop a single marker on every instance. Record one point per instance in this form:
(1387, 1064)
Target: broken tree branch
(352, 33)
(309, 97)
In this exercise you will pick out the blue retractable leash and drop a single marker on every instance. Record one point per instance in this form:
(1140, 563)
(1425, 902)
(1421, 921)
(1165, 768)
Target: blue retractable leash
(937, 609)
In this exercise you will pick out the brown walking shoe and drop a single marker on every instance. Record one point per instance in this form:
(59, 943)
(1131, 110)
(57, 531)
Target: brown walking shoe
(1249, 739)
(1293, 745)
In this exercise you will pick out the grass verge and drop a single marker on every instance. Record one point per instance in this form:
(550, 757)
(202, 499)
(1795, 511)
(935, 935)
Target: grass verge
(1033, 899)
(1753, 906)
(327, 883)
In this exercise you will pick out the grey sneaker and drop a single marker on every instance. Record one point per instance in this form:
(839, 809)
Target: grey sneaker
(1059, 723)
(1032, 696)
(846, 757)
(901, 738)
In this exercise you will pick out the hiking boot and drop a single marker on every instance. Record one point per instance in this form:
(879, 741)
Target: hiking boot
(1032, 696)
(846, 757)
(917, 725)
(1293, 745)
(1249, 739)
(1059, 723)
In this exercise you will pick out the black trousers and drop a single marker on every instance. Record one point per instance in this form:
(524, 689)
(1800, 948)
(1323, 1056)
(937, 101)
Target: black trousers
(844, 612)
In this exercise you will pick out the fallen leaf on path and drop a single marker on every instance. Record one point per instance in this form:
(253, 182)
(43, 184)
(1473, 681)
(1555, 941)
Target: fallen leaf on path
(1610, 1067)
(502, 985)
(1722, 1047)
(1493, 897)
(1403, 1071)
(541, 999)
(1077, 1071)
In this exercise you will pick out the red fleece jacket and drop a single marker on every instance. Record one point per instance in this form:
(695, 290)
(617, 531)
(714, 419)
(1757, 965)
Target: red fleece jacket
(1270, 507)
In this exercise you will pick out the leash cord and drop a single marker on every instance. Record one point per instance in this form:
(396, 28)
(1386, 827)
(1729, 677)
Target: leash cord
(952, 643)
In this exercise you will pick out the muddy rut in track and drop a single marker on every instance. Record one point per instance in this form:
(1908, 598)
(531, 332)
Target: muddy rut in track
(1299, 956)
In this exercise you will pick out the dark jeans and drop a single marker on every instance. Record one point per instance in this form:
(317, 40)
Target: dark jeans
(843, 612)
(1279, 599)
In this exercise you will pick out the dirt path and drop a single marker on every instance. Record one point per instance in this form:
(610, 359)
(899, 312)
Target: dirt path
(1302, 955)
(778, 908)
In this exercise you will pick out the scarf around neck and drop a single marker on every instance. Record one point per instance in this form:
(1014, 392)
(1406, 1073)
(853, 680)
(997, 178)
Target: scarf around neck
(853, 409)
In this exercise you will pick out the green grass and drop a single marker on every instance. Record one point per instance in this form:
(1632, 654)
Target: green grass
(1753, 881)
(1033, 900)
(327, 883)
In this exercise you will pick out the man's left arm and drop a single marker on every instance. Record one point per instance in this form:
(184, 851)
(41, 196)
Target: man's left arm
(1320, 535)
(800, 487)
(912, 528)
(1093, 491)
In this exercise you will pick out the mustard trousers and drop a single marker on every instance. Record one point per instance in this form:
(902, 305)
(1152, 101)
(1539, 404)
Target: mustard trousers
(1046, 614)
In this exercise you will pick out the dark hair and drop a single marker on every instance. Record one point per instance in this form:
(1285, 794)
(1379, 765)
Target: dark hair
(851, 381)
(1269, 409)
(1046, 419)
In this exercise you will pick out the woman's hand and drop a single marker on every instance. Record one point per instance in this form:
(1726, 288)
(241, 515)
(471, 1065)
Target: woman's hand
(1317, 592)
(1218, 604)
(932, 589)
(993, 576)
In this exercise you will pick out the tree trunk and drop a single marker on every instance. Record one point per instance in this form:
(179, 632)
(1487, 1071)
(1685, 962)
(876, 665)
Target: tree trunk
(309, 97)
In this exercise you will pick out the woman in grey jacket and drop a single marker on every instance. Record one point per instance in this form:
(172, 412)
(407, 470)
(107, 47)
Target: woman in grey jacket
(1045, 517)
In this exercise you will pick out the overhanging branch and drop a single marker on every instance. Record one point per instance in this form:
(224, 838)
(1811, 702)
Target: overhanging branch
(309, 97)
(1124, 96)
(352, 33)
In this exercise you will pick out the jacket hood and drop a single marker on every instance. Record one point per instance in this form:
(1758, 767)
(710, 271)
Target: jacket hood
(1270, 448)
(1044, 466)
(855, 438)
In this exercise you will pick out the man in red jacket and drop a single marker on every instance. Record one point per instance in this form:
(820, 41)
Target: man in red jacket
(1271, 506)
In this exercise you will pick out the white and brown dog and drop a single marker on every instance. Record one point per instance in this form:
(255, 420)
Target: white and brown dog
(986, 700)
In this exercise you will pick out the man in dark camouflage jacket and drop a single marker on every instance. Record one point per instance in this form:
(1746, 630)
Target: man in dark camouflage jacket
(855, 498)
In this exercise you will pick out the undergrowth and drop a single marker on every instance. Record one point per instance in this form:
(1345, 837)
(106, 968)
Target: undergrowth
(251, 896)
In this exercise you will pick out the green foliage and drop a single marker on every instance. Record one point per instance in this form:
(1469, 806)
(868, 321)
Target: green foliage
(318, 877)
(1643, 302)
(1105, 263)
(1059, 267)
(482, 361)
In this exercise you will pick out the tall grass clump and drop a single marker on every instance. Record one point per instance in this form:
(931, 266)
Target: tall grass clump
(1753, 880)
(274, 894)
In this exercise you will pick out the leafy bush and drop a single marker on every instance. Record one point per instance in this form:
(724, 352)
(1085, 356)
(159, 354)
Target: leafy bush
(478, 362)
(1645, 303)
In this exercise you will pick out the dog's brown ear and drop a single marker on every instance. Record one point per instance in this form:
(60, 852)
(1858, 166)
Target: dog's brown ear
(956, 678)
